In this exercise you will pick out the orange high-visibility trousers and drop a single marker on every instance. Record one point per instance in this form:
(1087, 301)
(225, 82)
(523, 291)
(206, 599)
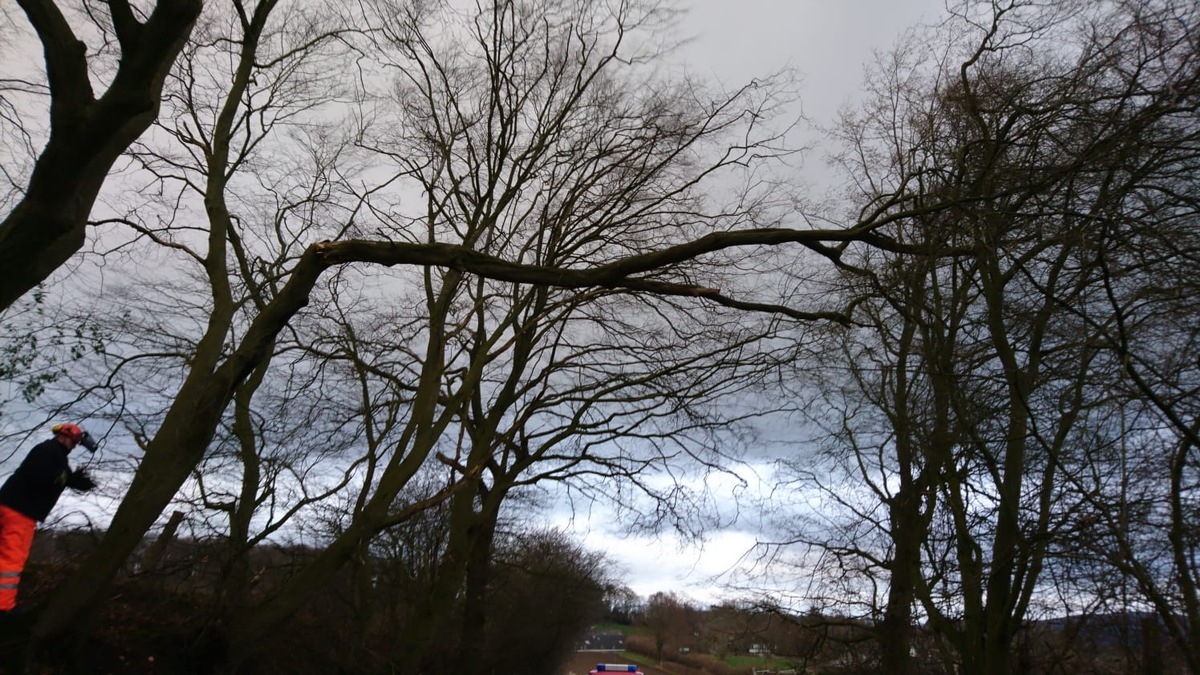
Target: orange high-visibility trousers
(16, 536)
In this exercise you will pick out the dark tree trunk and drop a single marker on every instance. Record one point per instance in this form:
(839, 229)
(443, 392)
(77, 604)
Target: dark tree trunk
(432, 613)
(473, 636)
(170, 458)
(87, 134)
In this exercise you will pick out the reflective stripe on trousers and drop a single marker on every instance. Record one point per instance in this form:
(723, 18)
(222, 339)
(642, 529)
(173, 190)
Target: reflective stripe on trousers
(16, 536)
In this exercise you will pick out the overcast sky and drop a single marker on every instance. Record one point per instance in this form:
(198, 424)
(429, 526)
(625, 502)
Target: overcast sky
(827, 42)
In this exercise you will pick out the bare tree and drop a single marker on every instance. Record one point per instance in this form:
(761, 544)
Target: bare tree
(518, 381)
(214, 139)
(1138, 526)
(666, 617)
(221, 133)
(87, 133)
(561, 133)
(980, 396)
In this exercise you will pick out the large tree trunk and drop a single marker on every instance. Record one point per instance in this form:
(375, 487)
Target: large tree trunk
(196, 411)
(170, 458)
(432, 613)
(234, 590)
(895, 634)
(377, 513)
(87, 135)
(473, 634)
(906, 528)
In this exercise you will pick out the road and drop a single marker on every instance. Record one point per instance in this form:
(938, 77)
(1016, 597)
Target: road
(582, 662)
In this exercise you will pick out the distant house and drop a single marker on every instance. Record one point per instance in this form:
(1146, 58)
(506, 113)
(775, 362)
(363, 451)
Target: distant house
(608, 641)
(759, 650)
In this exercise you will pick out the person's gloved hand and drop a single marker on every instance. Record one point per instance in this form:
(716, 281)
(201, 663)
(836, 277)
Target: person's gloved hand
(80, 480)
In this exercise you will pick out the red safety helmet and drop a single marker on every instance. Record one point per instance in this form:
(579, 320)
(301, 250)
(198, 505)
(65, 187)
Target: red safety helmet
(75, 433)
(71, 431)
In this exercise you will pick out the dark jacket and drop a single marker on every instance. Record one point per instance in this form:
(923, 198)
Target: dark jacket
(36, 485)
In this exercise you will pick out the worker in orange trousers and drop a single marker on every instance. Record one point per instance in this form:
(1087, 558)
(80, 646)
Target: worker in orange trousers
(27, 497)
